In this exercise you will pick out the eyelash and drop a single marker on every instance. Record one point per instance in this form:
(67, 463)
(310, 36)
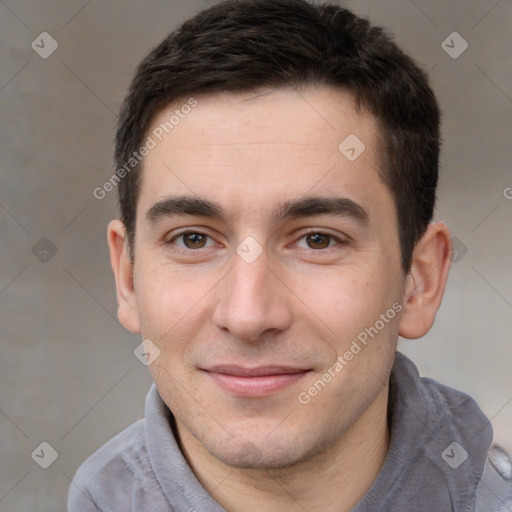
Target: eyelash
(185, 233)
(337, 239)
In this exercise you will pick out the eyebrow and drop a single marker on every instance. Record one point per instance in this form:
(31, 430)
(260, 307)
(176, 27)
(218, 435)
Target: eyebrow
(294, 209)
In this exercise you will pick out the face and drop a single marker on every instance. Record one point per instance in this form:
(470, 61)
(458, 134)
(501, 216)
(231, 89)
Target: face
(264, 255)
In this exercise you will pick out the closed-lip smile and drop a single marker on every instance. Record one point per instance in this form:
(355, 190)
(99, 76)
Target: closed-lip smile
(257, 381)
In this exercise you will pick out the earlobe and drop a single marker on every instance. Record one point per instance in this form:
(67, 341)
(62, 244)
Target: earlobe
(127, 311)
(426, 281)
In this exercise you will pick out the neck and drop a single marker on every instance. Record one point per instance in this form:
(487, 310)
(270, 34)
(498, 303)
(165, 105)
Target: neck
(334, 480)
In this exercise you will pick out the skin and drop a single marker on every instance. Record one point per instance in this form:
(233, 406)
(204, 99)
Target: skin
(300, 303)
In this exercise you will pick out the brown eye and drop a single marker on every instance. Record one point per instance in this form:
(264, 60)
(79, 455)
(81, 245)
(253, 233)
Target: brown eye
(318, 240)
(191, 240)
(194, 240)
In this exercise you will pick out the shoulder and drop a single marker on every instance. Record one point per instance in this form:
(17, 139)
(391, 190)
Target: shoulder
(436, 400)
(126, 452)
(494, 493)
(114, 472)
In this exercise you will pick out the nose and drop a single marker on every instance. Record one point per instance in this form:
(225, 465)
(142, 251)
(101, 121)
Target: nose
(252, 301)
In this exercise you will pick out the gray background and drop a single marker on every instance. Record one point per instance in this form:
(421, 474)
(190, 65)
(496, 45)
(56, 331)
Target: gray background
(67, 370)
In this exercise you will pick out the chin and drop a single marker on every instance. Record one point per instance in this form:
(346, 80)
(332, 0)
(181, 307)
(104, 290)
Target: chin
(251, 457)
(265, 454)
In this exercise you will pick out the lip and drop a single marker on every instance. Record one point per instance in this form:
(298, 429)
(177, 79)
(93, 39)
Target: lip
(255, 382)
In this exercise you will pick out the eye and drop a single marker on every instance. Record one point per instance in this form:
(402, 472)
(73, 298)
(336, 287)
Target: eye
(192, 240)
(317, 240)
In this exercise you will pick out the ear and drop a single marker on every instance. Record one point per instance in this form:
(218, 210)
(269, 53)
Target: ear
(426, 281)
(127, 311)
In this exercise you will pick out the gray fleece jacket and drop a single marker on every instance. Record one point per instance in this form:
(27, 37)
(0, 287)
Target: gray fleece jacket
(439, 447)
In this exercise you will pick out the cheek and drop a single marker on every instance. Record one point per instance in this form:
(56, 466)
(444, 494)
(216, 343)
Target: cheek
(165, 300)
(347, 305)
(344, 298)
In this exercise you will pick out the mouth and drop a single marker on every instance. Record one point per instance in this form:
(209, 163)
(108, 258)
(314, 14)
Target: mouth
(255, 382)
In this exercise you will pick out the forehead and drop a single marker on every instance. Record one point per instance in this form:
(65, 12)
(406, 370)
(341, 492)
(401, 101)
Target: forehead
(267, 146)
(308, 116)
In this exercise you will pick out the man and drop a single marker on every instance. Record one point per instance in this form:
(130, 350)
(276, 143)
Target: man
(277, 166)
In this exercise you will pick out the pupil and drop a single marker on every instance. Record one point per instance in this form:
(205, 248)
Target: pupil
(318, 241)
(194, 240)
